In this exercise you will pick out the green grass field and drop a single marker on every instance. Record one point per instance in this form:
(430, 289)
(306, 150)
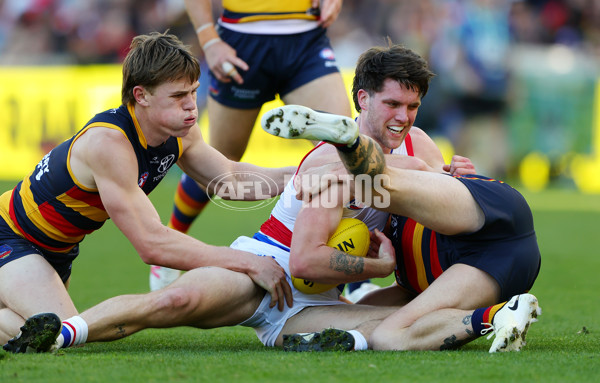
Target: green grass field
(558, 350)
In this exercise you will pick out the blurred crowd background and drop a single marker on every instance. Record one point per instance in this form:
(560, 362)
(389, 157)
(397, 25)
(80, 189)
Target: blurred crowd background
(512, 76)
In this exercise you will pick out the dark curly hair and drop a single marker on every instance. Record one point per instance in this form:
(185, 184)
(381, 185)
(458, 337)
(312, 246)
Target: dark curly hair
(394, 62)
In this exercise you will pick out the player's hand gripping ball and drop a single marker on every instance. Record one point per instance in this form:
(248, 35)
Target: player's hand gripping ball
(352, 237)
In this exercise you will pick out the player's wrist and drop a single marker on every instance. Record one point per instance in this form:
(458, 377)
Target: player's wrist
(209, 43)
(381, 268)
(207, 34)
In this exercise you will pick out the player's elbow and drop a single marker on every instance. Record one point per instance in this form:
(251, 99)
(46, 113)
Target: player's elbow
(302, 265)
(151, 258)
(299, 267)
(150, 254)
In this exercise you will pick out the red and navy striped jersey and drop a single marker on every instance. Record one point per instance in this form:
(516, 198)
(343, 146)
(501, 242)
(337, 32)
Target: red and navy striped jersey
(417, 257)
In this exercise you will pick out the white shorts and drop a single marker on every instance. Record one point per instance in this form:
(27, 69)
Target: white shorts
(268, 322)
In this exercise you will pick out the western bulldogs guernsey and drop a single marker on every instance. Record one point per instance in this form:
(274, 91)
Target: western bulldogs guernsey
(280, 224)
(51, 209)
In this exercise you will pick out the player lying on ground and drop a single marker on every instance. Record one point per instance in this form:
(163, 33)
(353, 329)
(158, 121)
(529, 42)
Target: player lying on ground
(388, 95)
(461, 242)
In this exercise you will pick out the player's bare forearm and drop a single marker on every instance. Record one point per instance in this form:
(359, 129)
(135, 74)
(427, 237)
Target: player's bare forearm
(268, 182)
(199, 12)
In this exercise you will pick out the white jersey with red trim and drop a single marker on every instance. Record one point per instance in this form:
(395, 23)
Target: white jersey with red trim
(280, 225)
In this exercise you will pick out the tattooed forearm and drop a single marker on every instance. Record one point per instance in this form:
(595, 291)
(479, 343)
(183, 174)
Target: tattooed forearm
(368, 158)
(347, 264)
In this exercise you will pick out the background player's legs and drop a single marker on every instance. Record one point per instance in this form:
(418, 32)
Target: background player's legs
(190, 199)
(29, 285)
(230, 128)
(230, 131)
(327, 94)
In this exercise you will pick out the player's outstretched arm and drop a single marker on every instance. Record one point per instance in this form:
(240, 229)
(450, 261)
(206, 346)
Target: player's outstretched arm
(114, 174)
(236, 180)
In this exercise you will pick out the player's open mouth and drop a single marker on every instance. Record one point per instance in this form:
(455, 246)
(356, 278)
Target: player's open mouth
(190, 120)
(396, 129)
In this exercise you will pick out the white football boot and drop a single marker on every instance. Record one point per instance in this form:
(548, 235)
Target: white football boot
(511, 322)
(162, 276)
(296, 121)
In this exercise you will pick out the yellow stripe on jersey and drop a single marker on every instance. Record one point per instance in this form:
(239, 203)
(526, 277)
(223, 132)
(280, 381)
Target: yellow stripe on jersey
(295, 16)
(418, 256)
(138, 129)
(4, 210)
(33, 213)
(267, 6)
(83, 208)
(95, 124)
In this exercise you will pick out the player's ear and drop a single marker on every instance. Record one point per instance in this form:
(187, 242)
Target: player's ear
(140, 93)
(363, 98)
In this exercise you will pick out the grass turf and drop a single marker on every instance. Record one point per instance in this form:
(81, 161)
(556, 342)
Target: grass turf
(563, 346)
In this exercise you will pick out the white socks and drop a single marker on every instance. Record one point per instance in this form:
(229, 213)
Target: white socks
(74, 331)
(360, 342)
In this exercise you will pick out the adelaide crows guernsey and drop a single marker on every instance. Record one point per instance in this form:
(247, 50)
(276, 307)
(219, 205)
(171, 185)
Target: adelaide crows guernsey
(51, 209)
(241, 11)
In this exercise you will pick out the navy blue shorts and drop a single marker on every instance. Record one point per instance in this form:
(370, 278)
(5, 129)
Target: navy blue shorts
(278, 65)
(505, 247)
(13, 246)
